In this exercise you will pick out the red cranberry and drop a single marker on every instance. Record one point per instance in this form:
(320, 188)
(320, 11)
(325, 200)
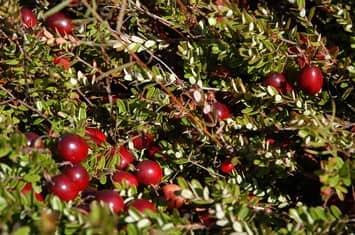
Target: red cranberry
(310, 80)
(126, 157)
(64, 62)
(28, 17)
(113, 200)
(149, 172)
(227, 166)
(28, 189)
(34, 140)
(63, 187)
(97, 136)
(60, 22)
(79, 175)
(219, 112)
(123, 176)
(143, 141)
(72, 148)
(288, 88)
(276, 80)
(142, 205)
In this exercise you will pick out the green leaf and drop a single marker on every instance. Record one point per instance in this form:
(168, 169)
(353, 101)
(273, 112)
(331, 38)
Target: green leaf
(24, 230)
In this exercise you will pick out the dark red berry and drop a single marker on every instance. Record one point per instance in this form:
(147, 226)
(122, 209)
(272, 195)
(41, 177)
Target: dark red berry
(64, 62)
(143, 141)
(123, 176)
(96, 135)
(149, 172)
(79, 175)
(60, 22)
(227, 166)
(63, 187)
(126, 157)
(219, 112)
(310, 80)
(28, 189)
(288, 88)
(73, 148)
(276, 80)
(28, 17)
(34, 140)
(112, 199)
(142, 205)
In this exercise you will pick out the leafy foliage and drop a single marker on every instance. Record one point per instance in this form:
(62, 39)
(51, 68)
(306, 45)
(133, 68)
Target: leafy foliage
(157, 67)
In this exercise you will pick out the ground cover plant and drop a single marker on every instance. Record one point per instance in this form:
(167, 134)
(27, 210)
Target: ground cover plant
(177, 117)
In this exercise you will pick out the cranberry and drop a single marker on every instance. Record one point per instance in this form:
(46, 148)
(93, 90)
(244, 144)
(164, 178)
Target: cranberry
(63, 187)
(310, 80)
(174, 201)
(60, 22)
(28, 17)
(97, 136)
(72, 148)
(276, 80)
(142, 141)
(288, 88)
(64, 62)
(28, 189)
(149, 172)
(227, 166)
(126, 157)
(123, 176)
(34, 140)
(79, 175)
(142, 205)
(153, 150)
(219, 112)
(112, 199)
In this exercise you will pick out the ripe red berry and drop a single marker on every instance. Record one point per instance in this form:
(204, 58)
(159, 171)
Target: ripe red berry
(227, 166)
(126, 157)
(219, 112)
(34, 140)
(288, 88)
(28, 189)
(143, 141)
(60, 22)
(96, 135)
(310, 80)
(79, 175)
(149, 172)
(123, 176)
(64, 62)
(142, 205)
(28, 17)
(72, 148)
(63, 187)
(276, 80)
(112, 199)
(174, 201)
